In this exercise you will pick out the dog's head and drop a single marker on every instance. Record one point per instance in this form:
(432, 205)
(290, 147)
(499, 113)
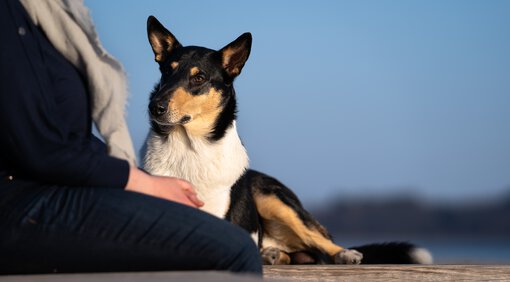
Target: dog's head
(195, 90)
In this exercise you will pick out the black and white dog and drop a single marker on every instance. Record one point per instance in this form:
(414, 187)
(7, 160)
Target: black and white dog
(194, 137)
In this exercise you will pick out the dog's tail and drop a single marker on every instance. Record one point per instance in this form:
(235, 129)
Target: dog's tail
(394, 253)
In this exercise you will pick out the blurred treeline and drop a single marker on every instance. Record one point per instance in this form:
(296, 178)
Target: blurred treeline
(409, 217)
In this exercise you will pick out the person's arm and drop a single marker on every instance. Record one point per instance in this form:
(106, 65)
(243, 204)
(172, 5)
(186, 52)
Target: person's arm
(168, 188)
(33, 140)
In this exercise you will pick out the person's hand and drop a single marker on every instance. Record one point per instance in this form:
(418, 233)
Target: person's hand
(168, 188)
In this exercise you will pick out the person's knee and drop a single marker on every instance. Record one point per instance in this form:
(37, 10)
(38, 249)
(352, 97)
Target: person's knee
(251, 254)
(244, 253)
(249, 248)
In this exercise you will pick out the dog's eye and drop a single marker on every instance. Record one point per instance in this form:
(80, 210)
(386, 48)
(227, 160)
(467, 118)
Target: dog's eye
(198, 79)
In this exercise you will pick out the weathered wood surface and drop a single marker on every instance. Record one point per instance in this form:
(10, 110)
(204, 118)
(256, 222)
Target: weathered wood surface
(390, 273)
(363, 273)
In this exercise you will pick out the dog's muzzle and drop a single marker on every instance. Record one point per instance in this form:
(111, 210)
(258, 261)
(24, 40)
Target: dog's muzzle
(161, 115)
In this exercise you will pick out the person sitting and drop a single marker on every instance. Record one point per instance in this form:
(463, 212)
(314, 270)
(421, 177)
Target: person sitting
(68, 201)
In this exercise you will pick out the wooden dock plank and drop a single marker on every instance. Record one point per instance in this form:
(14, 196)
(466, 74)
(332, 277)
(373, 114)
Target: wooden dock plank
(389, 273)
(347, 273)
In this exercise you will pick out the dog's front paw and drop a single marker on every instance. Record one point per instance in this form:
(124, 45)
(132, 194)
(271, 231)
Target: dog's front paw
(348, 257)
(273, 256)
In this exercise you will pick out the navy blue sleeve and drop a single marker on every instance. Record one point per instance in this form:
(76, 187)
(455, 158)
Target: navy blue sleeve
(32, 138)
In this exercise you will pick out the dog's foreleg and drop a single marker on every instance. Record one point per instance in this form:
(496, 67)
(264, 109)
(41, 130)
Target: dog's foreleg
(274, 256)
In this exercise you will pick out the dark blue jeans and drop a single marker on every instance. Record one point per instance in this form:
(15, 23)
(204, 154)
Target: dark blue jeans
(46, 229)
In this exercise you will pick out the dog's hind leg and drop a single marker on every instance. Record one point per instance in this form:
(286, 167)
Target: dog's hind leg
(284, 224)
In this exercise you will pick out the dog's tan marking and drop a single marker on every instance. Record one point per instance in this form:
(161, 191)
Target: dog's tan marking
(193, 71)
(174, 65)
(158, 47)
(227, 56)
(203, 110)
(284, 258)
(283, 224)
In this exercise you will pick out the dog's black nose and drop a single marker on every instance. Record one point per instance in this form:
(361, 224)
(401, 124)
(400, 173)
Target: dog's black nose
(161, 109)
(158, 108)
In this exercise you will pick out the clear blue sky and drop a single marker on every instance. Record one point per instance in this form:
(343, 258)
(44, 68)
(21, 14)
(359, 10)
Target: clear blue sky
(348, 97)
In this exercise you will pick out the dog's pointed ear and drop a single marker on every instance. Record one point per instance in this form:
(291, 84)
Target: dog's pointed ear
(235, 54)
(163, 42)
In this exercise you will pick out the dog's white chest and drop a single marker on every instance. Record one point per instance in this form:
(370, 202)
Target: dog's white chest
(217, 203)
(212, 168)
